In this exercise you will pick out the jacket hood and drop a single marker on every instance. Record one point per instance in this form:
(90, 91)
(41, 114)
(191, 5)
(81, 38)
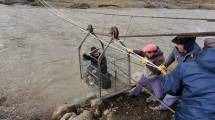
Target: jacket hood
(206, 59)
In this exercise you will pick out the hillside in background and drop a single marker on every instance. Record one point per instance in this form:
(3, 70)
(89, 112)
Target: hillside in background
(84, 4)
(191, 4)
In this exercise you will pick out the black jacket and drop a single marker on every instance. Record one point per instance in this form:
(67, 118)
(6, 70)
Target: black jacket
(94, 62)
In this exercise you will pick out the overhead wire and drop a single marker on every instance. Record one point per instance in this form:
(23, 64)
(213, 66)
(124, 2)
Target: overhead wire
(129, 24)
(58, 14)
(148, 16)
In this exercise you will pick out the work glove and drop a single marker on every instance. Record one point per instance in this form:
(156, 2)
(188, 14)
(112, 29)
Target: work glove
(143, 61)
(163, 69)
(130, 50)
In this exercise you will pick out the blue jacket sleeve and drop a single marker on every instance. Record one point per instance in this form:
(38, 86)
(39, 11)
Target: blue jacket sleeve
(173, 82)
(170, 59)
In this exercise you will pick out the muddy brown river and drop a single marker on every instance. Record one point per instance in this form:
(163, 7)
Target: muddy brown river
(38, 51)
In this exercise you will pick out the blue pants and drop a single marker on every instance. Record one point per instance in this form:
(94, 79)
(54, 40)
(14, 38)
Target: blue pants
(156, 85)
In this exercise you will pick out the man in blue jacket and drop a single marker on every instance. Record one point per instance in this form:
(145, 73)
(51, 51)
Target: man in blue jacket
(186, 50)
(194, 83)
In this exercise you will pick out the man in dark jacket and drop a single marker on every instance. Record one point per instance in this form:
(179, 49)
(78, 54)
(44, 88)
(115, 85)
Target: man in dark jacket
(93, 57)
(186, 50)
(93, 70)
(194, 83)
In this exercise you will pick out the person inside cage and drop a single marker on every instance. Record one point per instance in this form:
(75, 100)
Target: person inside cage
(93, 69)
(151, 76)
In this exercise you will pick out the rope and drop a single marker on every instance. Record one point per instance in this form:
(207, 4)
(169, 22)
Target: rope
(58, 14)
(191, 34)
(137, 57)
(130, 20)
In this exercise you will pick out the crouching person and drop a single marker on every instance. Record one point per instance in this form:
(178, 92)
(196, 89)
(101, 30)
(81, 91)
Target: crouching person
(151, 76)
(194, 83)
(93, 70)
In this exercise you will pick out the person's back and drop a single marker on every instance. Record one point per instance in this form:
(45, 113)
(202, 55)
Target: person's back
(198, 91)
(194, 82)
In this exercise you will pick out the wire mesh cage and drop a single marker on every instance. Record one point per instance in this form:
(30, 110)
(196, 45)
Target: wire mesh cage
(108, 73)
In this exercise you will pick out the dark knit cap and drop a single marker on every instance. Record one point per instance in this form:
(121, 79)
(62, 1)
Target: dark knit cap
(184, 40)
(94, 49)
(209, 43)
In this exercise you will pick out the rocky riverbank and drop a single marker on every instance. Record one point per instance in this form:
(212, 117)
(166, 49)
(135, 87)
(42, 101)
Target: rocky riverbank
(121, 107)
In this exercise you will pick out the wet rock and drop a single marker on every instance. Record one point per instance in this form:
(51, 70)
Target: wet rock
(109, 116)
(67, 116)
(97, 113)
(95, 102)
(86, 115)
(106, 112)
(60, 111)
(80, 110)
(72, 116)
